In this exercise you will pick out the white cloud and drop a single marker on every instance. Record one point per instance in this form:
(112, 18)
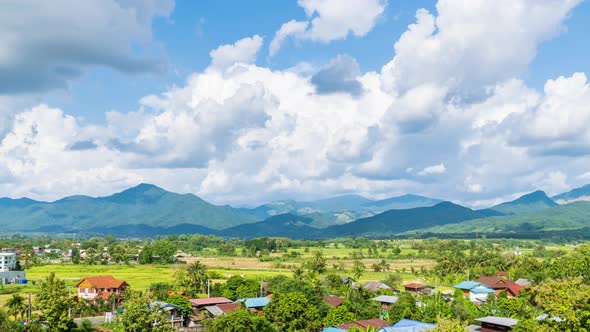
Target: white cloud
(434, 169)
(73, 35)
(242, 51)
(330, 20)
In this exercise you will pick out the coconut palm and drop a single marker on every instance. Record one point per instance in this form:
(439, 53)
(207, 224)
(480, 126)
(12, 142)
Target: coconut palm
(16, 306)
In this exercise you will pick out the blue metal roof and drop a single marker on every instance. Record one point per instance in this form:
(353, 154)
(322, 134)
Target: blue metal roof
(468, 284)
(482, 289)
(408, 325)
(333, 329)
(255, 302)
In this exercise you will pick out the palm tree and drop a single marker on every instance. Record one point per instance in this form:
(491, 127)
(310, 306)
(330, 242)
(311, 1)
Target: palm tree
(16, 306)
(197, 275)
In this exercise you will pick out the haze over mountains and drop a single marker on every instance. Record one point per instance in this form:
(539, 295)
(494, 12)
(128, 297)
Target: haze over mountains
(147, 210)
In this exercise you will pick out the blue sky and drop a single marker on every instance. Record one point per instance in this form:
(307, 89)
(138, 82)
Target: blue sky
(480, 101)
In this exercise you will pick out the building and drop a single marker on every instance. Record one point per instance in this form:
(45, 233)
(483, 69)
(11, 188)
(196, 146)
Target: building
(200, 304)
(173, 313)
(408, 325)
(417, 288)
(103, 287)
(7, 261)
(334, 301)
(255, 304)
(375, 286)
(363, 324)
(475, 291)
(222, 309)
(493, 324)
(501, 285)
(386, 301)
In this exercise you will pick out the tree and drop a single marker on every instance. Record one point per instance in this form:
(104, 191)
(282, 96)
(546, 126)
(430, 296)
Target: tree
(197, 277)
(338, 315)
(358, 269)
(54, 301)
(292, 312)
(405, 307)
(85, 326)
(318, 262)
(184, 303)
(16, 306)
(393, 280)
(449, 325)
(140, 317)
(241, 320)
(76, 255)
(6, 324)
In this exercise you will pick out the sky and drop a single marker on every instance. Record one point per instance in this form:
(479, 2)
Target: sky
(244, 102)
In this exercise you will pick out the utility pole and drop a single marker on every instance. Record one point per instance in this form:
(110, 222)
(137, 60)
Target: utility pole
(69, 308)
(208, 288)
(29, 309)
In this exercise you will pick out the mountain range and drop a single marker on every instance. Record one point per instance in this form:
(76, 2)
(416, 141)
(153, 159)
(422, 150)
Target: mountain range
(147, 210)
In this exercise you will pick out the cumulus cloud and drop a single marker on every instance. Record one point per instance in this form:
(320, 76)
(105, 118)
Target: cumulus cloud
(330, 20)
(240, 133)
(242, 51)
(51, 45)
(339, 76)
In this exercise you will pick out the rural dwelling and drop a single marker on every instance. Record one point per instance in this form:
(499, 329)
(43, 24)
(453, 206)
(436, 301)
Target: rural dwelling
(255, 304)
(501, 285)
(493, 324)
(175, 319)
(523, 282)
(386, 301)
(334, 301)
(475, 291)
(199, 305)
(7, 261)
(8, 273)
(418, 288)
(90, 288)
(363, 324)
(222, 309)
(375, 286)
(408, 325)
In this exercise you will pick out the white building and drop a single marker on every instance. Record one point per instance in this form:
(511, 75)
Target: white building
(7, 261)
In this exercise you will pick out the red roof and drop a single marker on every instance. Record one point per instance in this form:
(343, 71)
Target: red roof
(228, 307)
(514, 289)
(496, 283)
(103, 282)
(209, 301)
(104, 295)
(364, 324)
(333, 300)
(414, 285)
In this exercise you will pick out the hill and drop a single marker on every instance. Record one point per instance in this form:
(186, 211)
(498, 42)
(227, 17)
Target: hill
(565, 217)
(574, 195)
(144, 204)
(283, 225)
(533, 202)
(401, 202)
(399, 221)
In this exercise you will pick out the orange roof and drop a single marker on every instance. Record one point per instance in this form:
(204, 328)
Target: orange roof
(228, 307)
(414, 285)
(209, 301)
(496, 283)
(104, 295)
(364, 324)
(102, 282)
(333, 300)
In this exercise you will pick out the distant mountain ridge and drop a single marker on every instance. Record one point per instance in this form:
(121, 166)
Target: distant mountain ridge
(533, 202)
(574, 195)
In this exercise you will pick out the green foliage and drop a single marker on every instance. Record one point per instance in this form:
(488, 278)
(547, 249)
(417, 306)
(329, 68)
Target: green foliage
(6, 324)
(318, 262)
(183, 302)
(241, 320)
(160, 252)
(139, 317)
(358, 269)
(54, 301)
(292, 312)
(16, 306)
(159, 290)
(338, 315)
(237, 287)
(405, 307)
(449, 325)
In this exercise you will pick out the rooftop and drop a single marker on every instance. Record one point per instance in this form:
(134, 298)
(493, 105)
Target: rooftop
(503, 321)
(386, 299)
(255, 302)
(333, 300)
(408, 325)
(102, 282)
(209, 301)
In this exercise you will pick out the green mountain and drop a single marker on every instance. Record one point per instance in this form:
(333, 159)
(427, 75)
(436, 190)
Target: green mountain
(282, 225)
(399, 221)
(574, 195)
(565, 217)
(401, 202)
(144, 204)
(533, 202)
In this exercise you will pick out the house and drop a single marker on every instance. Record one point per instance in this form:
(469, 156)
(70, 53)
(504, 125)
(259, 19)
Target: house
(386, 301)
(475, 291)
(222, 309)
(103, 287)
(334, 301)
(7, 261)
(523, 282)
(172, 312)
(200, 304)
(363, 324)
(255, 304)
(375, 286)
(493, 324)
(418, 288)
(501, 285)
(408, 325)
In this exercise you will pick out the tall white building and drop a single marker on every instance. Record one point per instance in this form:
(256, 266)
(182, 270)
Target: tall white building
(7, 261)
